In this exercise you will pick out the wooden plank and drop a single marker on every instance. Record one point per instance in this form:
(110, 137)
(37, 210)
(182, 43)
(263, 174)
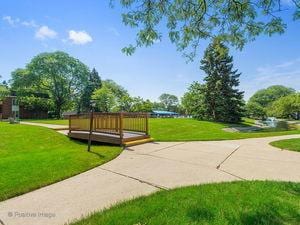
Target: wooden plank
(110, 127)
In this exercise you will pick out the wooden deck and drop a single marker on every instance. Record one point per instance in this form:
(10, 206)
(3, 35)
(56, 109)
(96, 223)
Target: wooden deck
(114, 128)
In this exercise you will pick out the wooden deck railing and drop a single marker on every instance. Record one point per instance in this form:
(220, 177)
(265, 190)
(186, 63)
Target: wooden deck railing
(110, 123)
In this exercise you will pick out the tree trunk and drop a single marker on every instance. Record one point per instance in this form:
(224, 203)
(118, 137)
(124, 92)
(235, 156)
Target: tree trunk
(58, 111)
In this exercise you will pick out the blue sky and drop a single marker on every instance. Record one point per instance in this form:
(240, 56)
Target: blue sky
(93, 32)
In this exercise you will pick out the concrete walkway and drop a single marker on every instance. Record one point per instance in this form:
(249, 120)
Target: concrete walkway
(147, 168)
(51, 126)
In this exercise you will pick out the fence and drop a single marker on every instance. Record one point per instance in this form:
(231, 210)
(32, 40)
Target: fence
(110, 123)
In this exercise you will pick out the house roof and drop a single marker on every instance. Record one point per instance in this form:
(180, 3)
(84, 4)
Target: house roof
(164, 112)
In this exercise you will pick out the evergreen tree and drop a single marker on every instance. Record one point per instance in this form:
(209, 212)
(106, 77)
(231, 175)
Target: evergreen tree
(223, 101)
(94, 83)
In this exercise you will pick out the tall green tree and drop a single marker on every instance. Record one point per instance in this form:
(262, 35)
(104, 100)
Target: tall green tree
(258, 104)
(29, 95)
(56, 74)
(126, 103)
(265, 97)
(190, 21)
(4, 91)
(105, 99)
(222, 99)
(193, 101)
(286, 107)
(255, 111)
(115, 88)
(94, 83)
(169, 102)
(141, 105)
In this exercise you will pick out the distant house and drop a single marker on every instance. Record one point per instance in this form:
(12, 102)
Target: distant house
(10, 107)
(163, 114)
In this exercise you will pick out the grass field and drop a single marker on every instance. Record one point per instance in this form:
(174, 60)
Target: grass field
(32, 157)
(289, 144)
(239, 203)
(194, 130)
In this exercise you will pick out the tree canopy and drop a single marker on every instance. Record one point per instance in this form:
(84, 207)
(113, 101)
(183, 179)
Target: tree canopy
(193, 100)
(223, 100)
(4, 91)
(169, 102)
(286, 107)
(190, 21)
(105, 99)
(264, 97)
(218, 98)
(56, 76)
(259, 104)
(94, 83)
(112, 97)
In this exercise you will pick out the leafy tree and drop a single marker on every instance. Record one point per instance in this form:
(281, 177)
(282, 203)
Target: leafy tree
(121, 99)
(115, 88)
(286, 107)
(255, 110)
(94, 83)
(267, 96)
(158, 106)
(189, 21)
(105, 99)
(4, 91)
(60, 76)
(29, 95)
(169, 102)
(222, 99)
(193, 101)
(126, 103)
(141, 105)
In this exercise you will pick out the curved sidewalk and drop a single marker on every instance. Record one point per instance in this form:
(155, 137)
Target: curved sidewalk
(147, 168)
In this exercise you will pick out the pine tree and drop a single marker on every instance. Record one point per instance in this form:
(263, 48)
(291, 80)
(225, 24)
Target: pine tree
(94, 83)
(223, 101)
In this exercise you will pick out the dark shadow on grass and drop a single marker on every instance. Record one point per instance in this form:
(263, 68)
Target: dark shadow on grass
(197, 214)
(85, 143)
(97, 154)
(270, 213)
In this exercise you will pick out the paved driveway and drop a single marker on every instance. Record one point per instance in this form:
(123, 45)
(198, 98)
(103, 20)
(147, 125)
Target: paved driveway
(147, 168)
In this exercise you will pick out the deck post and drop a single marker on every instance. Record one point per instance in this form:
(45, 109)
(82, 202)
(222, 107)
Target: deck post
(121, 127)
(91, 129)
(147, 124)
(70, 124)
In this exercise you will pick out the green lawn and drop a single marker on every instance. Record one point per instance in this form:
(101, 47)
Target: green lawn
(244, 203)
(32, 157)
(289, 144)
(194, 130)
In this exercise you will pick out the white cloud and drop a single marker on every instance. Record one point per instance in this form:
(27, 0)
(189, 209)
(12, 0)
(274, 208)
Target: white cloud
(30, 23)
(79, 37)
(44, 32)
(11, 21)
(285, 73)
(17, 22)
